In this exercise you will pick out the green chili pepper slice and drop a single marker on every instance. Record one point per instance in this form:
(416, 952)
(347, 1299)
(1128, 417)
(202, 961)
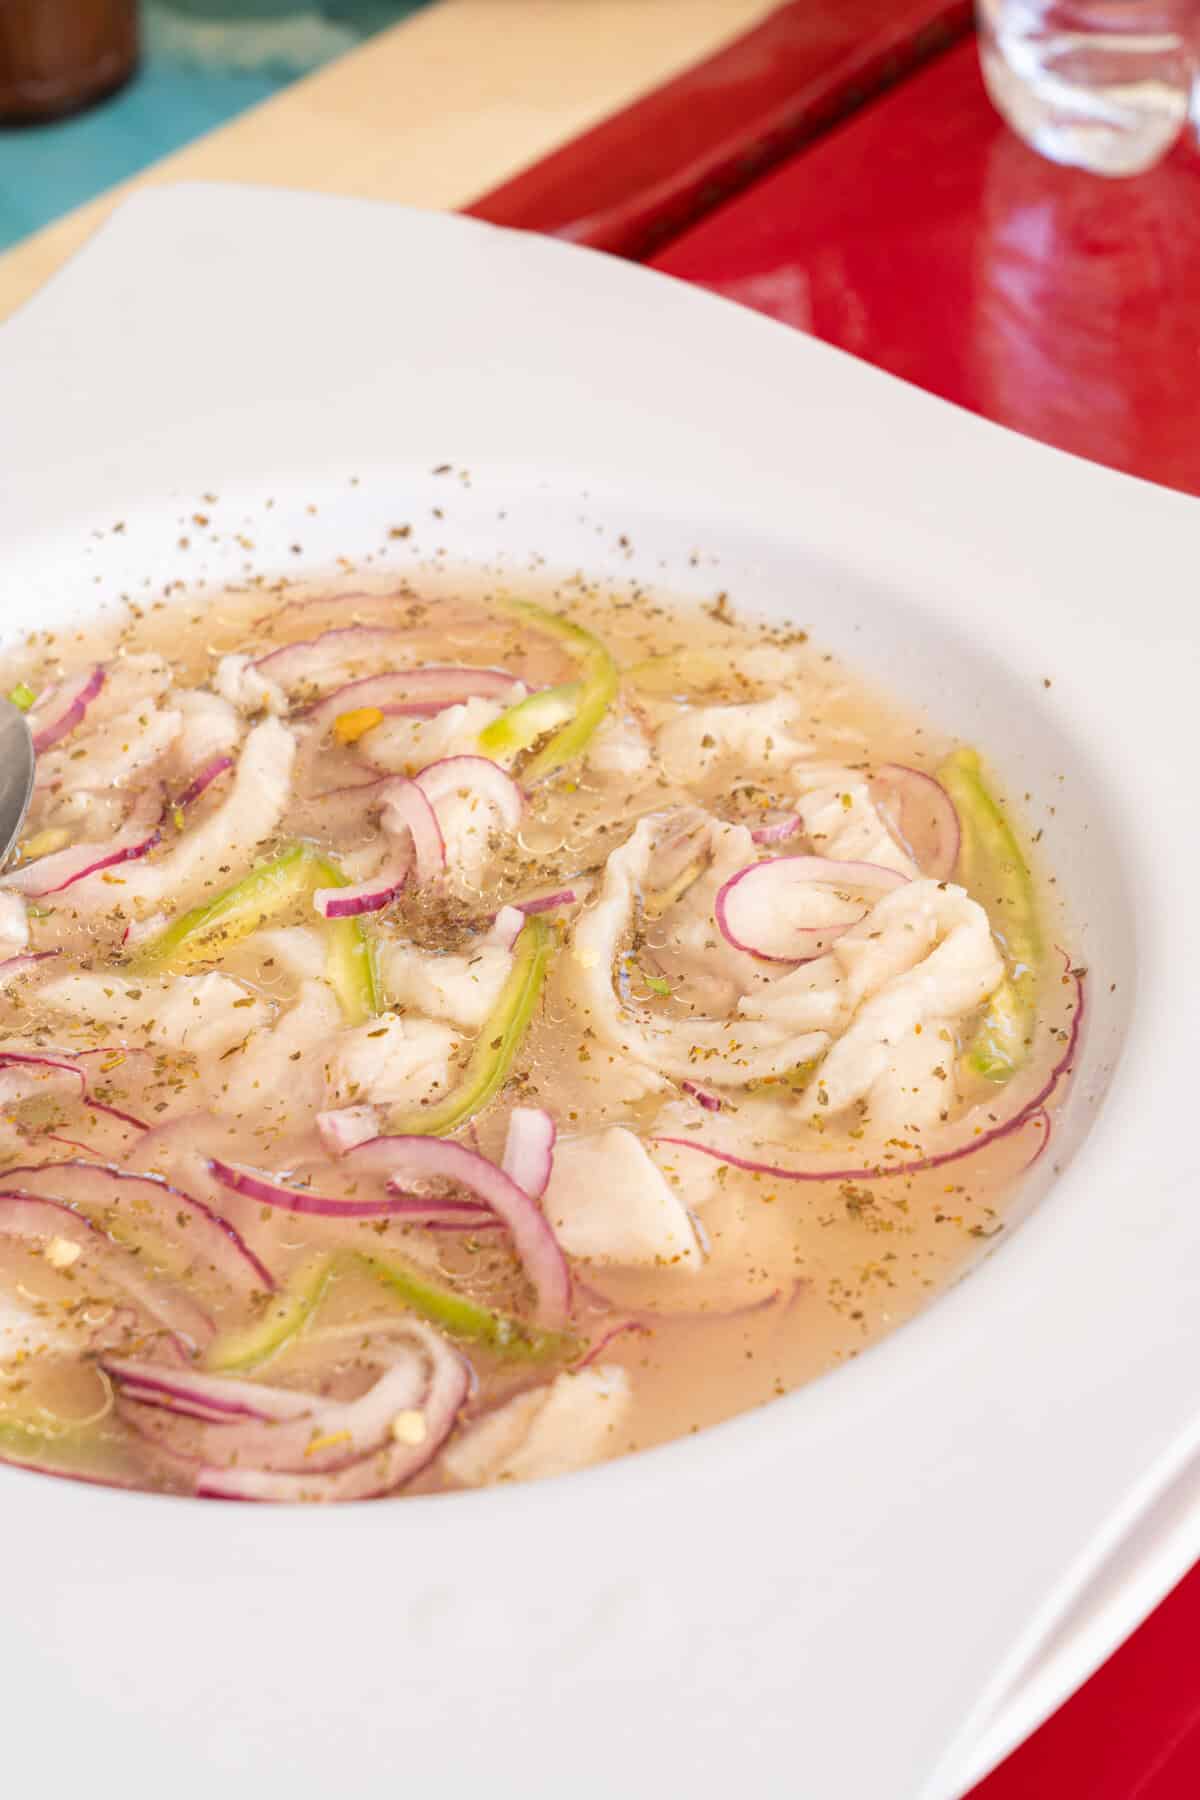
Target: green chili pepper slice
(991, 864)
(350, 966)
(285, 1314)
(530, 719)
(74, 1447)
(597, 688)
(500, 1038)
(290, 1311)
(269, 890)
(22, 696)
(467, 1319)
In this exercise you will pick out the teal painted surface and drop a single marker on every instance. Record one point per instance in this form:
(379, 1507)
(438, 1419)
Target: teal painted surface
(205, 61)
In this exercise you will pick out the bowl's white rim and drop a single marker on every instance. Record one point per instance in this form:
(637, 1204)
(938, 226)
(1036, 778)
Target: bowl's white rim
(946, 494)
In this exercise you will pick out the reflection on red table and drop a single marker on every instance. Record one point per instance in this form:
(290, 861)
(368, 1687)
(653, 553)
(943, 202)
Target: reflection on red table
(641, 176)
(923, 237)
(1132, 1733)
(926, 238)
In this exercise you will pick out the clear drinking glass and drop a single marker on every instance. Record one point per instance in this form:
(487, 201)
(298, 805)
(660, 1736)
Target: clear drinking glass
(1103, 84)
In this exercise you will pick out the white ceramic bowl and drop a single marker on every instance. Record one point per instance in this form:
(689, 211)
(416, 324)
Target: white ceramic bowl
(866, 1590)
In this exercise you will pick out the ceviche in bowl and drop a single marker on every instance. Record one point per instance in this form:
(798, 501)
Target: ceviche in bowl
(450, 1037)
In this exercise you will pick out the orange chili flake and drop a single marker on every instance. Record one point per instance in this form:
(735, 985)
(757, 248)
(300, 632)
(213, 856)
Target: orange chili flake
(348, 727)
(328, 1441)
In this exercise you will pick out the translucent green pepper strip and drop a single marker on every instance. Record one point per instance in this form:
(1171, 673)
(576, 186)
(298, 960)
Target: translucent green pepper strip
(500, 1037)
(271, 889)
(14, 1436)
(70, 1450)
(350, 966)
(466, 1319)
(530, 719)
(290, 1311)
(598, 688)
(990, 863)
(22, 696)
(286, 1314)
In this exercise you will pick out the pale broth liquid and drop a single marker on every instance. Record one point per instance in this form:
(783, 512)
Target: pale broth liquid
(798, 1277)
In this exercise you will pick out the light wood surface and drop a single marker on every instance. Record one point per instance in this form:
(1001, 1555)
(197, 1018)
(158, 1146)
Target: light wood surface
(433, 112)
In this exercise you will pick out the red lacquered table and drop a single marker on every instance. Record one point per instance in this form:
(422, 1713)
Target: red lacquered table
(640, 177)
(880, 203)
(923, 237)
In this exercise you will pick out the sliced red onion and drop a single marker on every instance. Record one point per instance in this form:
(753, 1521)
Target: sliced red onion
(318, 661)
(341, 1129)
(473, 775)
(752, 909)
(382, 1469)
(58, 711)
(197, 1395)
(370, 895)
(610, 1330)
(406, 807)
(437, 1209)
(356, 805)
(709, 1101)
(548, 902)
(367, 896)
(99, 1064)
(236, 1421)
(33, 1059)
(404, 811)
(111, 1149)
(21, 964)
(204, 778)
(413, 1209)
(34, 1077)
(52, 874)
(921, 816)
(70, 1065)
(979, 1140)
(54, 1137)
(136, 1407)
(266, 1439)
(529, 1149)
(875, 1172)
(447, 1215)
(424, 1158)
(265, 1191)
(506, 927)
(31, 1216)
(416, 692)
(140, 931)
(779, 830)
(1047, 1125)
(99, 1191)
(482, 1220)
(410, 822)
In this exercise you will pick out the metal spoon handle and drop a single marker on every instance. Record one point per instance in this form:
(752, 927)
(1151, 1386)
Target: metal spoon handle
(17, 763)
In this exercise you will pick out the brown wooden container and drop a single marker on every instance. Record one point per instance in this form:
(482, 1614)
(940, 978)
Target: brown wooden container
(57, 56)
